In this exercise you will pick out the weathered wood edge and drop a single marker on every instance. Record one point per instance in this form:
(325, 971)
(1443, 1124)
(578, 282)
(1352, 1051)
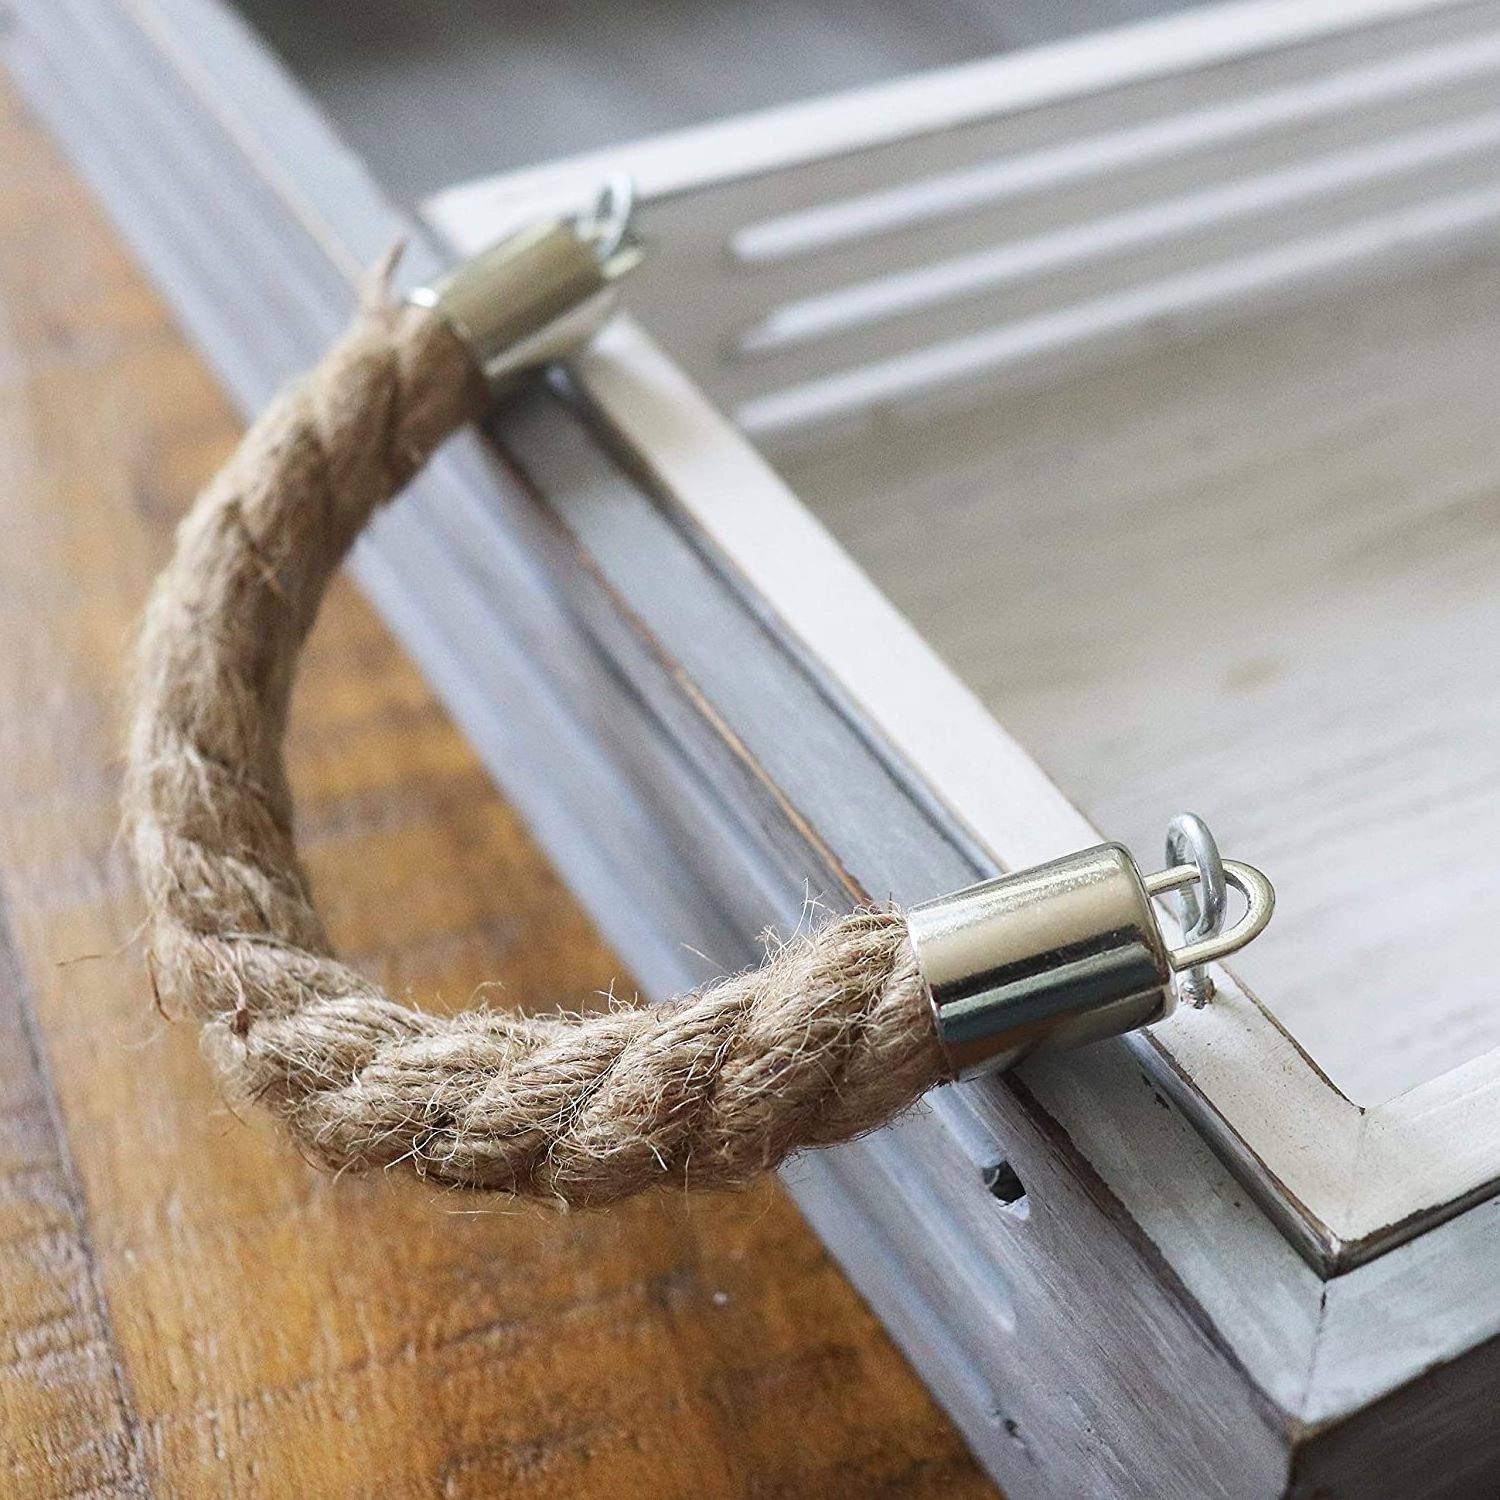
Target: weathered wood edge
(122, 192)
(1390, 1412)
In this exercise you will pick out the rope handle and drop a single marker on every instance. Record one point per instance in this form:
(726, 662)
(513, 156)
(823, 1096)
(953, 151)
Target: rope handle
(832, 1036)
(836, 1033)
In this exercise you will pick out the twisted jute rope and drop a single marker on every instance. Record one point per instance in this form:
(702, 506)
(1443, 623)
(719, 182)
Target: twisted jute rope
(830, 1038)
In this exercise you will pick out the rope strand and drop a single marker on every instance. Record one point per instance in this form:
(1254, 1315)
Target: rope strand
(830, 1038)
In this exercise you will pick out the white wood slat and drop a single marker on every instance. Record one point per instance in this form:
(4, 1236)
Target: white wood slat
(1047, 168)
(1152, 226)
(961, 369)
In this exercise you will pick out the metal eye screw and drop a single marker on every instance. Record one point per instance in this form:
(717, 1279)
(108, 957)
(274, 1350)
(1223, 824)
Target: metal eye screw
(538, 294)
(1202, 904)
(609, 222)
(1260, 903)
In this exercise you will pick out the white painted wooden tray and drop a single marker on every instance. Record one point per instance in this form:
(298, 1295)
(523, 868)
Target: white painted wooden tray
(1153, 379)
(989, 460)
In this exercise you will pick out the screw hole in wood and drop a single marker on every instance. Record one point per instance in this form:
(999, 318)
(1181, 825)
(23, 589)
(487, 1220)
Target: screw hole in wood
(1003, 1183)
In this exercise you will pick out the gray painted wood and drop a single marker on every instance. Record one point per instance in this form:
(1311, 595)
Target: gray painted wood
(1402, 1400)
(1436, 1438)
(1167, 1333)
(1133, 1400)
(1383, 1329)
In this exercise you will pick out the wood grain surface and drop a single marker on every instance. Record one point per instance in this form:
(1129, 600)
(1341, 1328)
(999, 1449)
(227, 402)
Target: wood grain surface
(185, 1307)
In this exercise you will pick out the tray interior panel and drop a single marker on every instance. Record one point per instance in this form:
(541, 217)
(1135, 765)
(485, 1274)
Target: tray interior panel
(1251, 573)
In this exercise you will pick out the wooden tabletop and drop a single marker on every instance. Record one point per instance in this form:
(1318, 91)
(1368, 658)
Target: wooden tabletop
(186, 1308)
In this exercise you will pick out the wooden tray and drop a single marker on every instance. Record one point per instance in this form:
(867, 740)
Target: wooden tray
(989, 458)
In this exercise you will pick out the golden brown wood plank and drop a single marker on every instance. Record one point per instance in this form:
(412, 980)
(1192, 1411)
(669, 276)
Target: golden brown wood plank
(186, 1308)
(63, 1411)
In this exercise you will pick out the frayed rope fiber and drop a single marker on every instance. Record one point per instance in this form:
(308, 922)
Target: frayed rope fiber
(830, 1038)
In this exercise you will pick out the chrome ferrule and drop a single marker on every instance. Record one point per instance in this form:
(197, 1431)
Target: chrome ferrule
(539, 293)
(1066, 953)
